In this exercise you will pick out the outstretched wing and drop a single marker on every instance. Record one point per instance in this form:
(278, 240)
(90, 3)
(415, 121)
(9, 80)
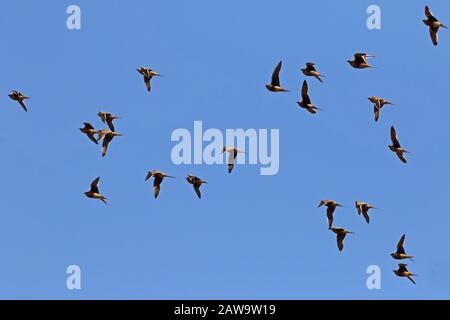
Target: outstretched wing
(400, 248)
(394, 138)
(276, 75)
(94, 185)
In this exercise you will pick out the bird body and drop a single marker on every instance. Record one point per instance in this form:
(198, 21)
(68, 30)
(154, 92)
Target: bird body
(400, 253)
(275, 85)
(158, 179)
(363, 208)
(148, 74)
(232, 154)
(360, 61)
(108, 118)
(402, 271)
(434, 25)
(310, 71)
(306, 103)
(196, 182)
(341, 233)
(89, 131)
(379, 103)
(94, 192)
(331, 206)
(19, 97)
(396, 147)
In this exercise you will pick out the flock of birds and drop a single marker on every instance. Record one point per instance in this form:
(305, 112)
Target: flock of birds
(359, 62)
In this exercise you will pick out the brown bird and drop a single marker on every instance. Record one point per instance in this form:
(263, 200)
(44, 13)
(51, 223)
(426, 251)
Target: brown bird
(360, 61)
(379, 103)
(196, 182)
(395, 147)
(148, 74)
(232, 154)
(400, 254)
(306, 101)
(275, 86)
(108, 118)
(433, 24)
(89, 130)
(19, 97)
(363, 208)
(341, 234)
(94, 193)
(403, 272)
(158, 179)
(331, 206)
(107, 136)
(311, 71)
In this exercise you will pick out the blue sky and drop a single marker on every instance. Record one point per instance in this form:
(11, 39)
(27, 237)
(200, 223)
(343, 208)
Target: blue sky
(251, 236)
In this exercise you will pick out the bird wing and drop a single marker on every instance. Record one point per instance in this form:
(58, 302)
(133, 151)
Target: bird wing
(365, 212)
(400, 248)
(109, 122)
(89, 126)
(434, 35)
(156, 188)
(149, 175)
(376, 111)
(402, 268)
(401, 157)
(330, 211)
(22, 104)
(276, 75)
(429, 15)
(147, 83)
(304, 92)
(92, 138)
(394, 138)
(360, 58)
(340, 240)
(94, 185)
(197, 190)
(106, 142)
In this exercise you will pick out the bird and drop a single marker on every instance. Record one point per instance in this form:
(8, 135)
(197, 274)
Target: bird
(89, 130)
(403, 272)
(107, 136)
(275, 86)
(364, 207)
(19, 97)
(379, 103)
(433, 24)
(341, 234)
(148, 74)
(94, 193)
(306, 101)
(360, 61)
(311, 71)
(232, 154)
(196, 182)
(400, 254)
(108, 118)
(331, 206)
(159, 177)
(395, 147)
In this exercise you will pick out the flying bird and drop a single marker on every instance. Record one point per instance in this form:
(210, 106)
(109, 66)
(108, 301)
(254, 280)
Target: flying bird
(311, 71)
(360, 61)
(433, 24)
(148, 74)
(19, 97)
(379, 103)
(306, 101)
(94, 193)
(363, 208)
(89, 130)
(400, 254)
(402, 271)
(108, 118)
(341, 234)
(196, 182)
(107, 136)
(158, 179)
(331, 206)
(275, 86)
(232, 154)
(395, 147)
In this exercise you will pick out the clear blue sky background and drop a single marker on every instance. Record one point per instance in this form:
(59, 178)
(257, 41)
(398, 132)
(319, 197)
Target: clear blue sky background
(251, 236)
